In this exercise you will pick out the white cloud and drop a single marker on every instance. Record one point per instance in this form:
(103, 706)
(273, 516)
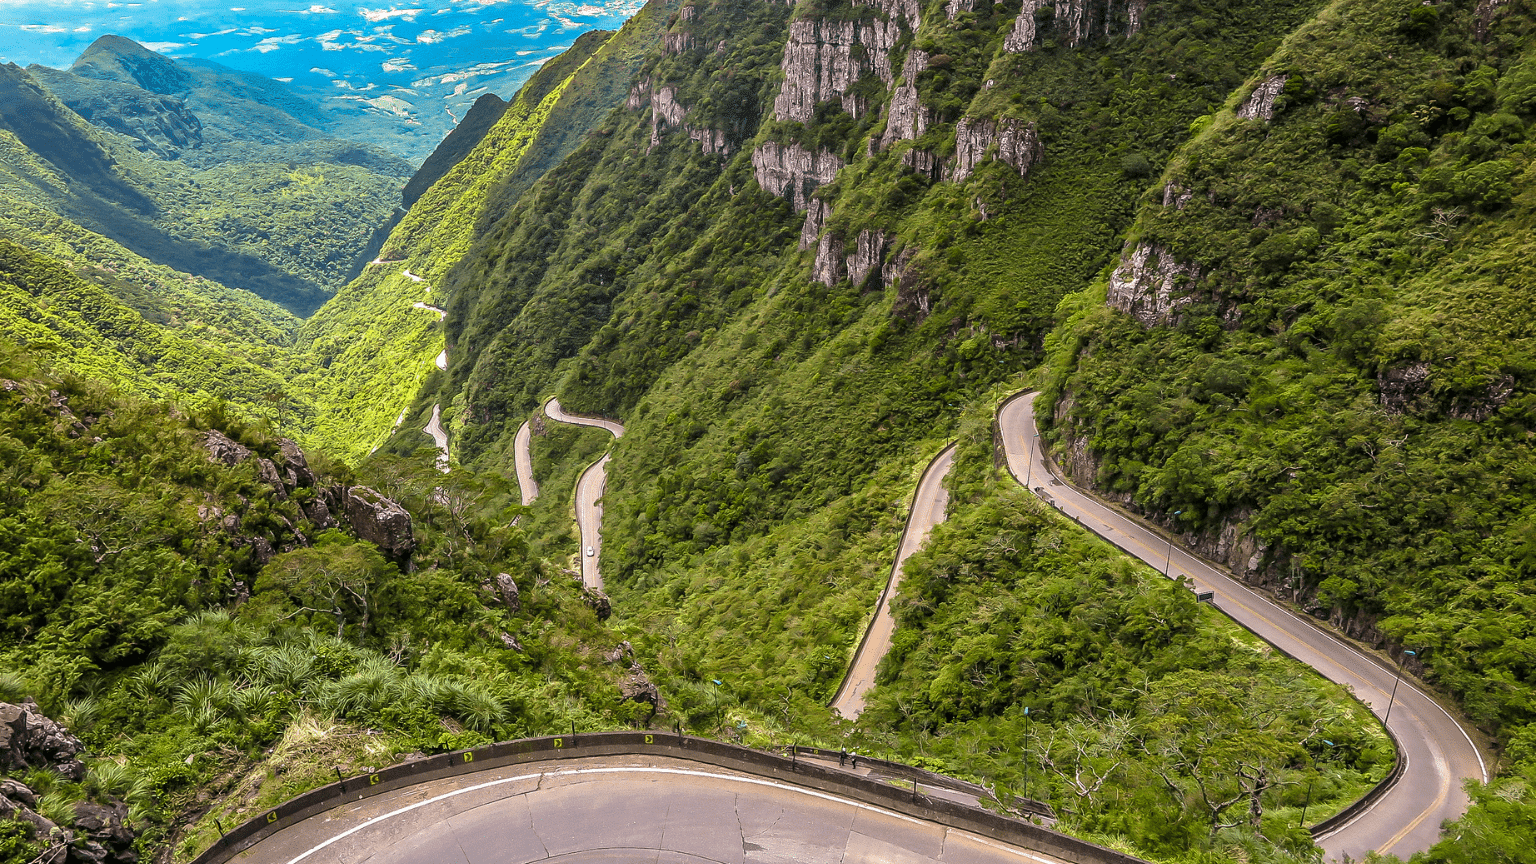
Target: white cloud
(44, 28)
(321, 70)
(225, 32)
(431, 37)
(85, 29)
(162, 47)
(288, 80)
(397, 64)
(377, 15)
(272, 43)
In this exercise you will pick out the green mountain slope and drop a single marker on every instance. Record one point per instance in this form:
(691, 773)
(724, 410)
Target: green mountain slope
(788, 282)
(374, 344)
(282, 220)
(224, 622)
(1317, 347)
(80, 326)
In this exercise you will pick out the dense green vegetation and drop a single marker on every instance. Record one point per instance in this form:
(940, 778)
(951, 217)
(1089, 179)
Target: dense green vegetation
(135, 605)
(1050, 664)
(80, 326)
(1352, 366)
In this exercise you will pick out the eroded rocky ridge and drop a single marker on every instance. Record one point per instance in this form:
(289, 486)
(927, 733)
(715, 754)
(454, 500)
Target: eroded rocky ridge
(370, 515)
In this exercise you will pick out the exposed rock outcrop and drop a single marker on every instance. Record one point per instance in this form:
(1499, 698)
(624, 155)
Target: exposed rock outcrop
(295, 465)
(820, 64)
(1022, 37)
(907, 118)
(1151, 285)
(380, 521)
(1073, 21)
(828, 268)
(906, 11)
(1176, 196)
(637, 687)
(639, 95)
(793, 171)
(868, 255)
(1017, 144)
(678, 42)
(30, 740)
(507, 588)
(815, 216)
(599, 603)
(954, 7)
(923, 162)
(1260, 104)
(665, 111)
(224, 450)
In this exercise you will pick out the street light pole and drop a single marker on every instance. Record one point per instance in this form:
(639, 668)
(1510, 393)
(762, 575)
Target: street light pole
(1311, 780)
(1393, 700)
(1026, 751)
(1029, 470)
(1168, 560)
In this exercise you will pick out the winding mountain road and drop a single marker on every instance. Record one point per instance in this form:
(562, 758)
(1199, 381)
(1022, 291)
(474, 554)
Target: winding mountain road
(622, 810)
(589, 494)
(1440, 754)
(522, 458)
(927, 511)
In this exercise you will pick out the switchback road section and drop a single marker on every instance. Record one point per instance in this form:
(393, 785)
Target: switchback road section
(1438, 753)
(589, 494)
(927, 511)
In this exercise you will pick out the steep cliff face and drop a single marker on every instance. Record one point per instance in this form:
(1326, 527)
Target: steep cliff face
(793, 172)
(1074, 21)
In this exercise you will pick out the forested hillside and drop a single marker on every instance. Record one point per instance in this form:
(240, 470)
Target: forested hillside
(282, 214)
(1317, 348)
(226, 620)
(373, 346)
(1266, 259)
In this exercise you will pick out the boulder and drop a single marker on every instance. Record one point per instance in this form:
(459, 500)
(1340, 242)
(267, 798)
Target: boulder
(266, 472)
(637, 687)
(104, 828)
(18, 792)
(509, 593)
(30, 740)
(599, 603)
(297, 465)
(223, 449)
(510, 641)
(318, 514)
(380, 521)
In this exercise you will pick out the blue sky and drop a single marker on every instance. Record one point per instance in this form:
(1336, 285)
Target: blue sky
(353, 44)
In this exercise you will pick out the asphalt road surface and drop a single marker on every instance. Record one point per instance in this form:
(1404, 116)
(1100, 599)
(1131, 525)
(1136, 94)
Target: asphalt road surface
(589, 494)
(621, 810)
(927, 511)
(522, 455)
(1440, 753)
(434, 428)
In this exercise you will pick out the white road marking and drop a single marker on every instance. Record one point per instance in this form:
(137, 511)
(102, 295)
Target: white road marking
(1022, 853)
